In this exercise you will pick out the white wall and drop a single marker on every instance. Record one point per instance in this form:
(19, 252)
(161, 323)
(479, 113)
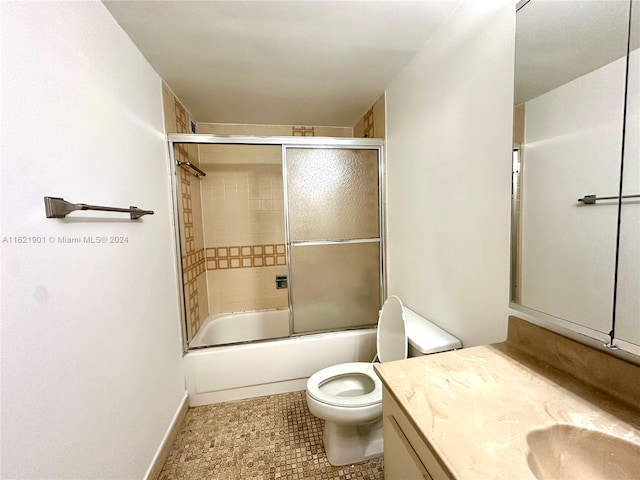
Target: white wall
(91, 358)
(449, 138)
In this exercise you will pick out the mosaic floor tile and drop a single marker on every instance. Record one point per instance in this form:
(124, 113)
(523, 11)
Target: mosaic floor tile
(272, 437)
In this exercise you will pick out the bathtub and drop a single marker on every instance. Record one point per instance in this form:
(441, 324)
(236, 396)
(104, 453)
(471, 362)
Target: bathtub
(233, 372)
(239, 327)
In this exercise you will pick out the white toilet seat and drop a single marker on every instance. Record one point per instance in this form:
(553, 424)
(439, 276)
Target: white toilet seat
(391, 343)
(320, 378)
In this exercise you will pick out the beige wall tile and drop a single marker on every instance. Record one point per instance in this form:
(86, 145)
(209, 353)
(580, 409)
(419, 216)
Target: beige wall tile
(379, 118)
(190, 218)
(333, 131)
(203, 297)
(216, 128)
(168, 108)
(196, 209)
(279, 130)
(358, 128)
(239, 201)
(240, 154)
(271, 130)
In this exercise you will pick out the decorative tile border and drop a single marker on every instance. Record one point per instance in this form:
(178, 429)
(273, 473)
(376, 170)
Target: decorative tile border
(193, 262)
(303, 131)
(181, 117)
(193, 265)
(245, 256)
(368, 124)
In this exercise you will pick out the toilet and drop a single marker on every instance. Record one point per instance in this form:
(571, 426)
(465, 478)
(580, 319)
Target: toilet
(348, 396)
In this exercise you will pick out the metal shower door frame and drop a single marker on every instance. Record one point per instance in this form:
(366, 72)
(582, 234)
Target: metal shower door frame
(353, 144)
(284, 143)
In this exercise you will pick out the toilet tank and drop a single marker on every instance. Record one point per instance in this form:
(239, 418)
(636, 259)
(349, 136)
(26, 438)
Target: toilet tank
(425, 337)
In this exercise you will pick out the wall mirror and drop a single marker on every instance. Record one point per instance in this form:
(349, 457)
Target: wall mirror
(575, 255)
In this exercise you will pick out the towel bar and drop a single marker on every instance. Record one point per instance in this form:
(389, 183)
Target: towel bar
(59, 208)
(199, 173)
(591, 199)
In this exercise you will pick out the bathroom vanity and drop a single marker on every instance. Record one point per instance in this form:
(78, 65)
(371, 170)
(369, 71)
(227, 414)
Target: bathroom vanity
(537, 406)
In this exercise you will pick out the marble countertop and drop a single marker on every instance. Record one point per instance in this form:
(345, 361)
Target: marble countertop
(476, 406)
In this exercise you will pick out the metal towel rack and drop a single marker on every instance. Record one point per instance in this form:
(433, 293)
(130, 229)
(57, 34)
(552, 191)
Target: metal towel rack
(199, 173)
(59, 208)
(591, 199)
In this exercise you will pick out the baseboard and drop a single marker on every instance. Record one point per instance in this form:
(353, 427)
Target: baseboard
(169, 437)
(209, 398)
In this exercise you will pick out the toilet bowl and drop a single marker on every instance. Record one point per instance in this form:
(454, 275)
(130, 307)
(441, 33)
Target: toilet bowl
(348, 396)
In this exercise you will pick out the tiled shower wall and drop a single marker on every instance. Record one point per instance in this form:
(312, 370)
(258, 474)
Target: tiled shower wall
(244, 232)
(244, 213)
(244, 216)
(177, 120)
(373, 122)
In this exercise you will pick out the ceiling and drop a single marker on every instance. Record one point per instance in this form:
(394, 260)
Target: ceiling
(299, 62)
(559, 41)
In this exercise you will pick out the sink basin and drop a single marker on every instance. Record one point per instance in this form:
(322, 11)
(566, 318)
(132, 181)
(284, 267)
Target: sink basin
(567, 452)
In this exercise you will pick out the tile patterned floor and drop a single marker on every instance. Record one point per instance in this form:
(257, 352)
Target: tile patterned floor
(260, 438)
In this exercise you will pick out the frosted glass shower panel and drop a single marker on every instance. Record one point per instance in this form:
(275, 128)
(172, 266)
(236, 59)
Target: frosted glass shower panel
(332, 193)
(335, 286)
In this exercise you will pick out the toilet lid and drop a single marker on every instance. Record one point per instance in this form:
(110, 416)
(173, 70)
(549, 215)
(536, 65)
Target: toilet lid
(392, 335)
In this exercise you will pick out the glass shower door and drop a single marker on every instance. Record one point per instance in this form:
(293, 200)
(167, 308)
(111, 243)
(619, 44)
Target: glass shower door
(333, 237)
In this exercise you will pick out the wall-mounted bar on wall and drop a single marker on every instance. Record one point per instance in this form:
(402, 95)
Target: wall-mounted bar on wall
(59, 208)
(591, 199)
(198, 172)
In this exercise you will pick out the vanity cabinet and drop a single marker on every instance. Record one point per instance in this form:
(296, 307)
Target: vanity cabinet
(507, 411)
(406, 455)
